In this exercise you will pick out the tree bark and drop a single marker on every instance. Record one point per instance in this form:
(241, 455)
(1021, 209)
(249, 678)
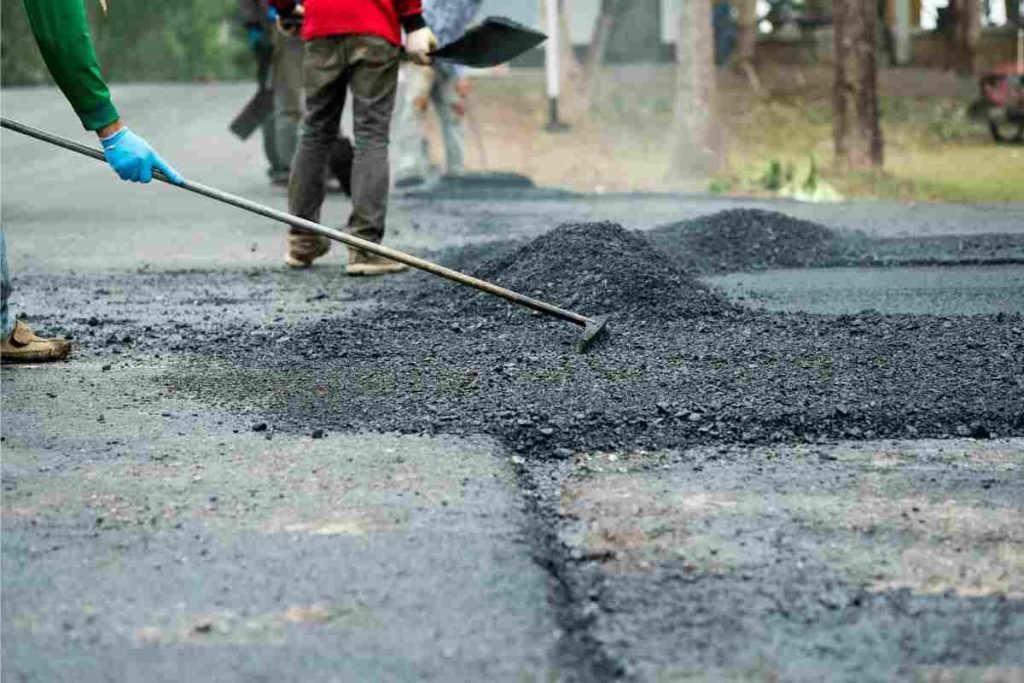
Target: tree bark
(968, 34)
(1012, 12)
(599, 39)
(746, 44)
(697, 145)
(856, 128)
(572, 76)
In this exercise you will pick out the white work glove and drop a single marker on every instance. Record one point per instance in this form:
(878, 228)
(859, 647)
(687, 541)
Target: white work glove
(419, 44)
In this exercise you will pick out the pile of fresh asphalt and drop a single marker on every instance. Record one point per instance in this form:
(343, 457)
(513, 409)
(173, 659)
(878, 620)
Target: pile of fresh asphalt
(681, 365)
(755, 239)
(593, 268)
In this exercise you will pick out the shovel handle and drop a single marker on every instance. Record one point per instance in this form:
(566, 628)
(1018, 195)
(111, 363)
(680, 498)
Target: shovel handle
(330, 233)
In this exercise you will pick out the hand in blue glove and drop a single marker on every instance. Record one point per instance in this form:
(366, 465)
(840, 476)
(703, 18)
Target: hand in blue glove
(133, 159)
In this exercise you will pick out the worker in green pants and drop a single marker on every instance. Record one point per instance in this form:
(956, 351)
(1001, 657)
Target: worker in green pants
(61, 30)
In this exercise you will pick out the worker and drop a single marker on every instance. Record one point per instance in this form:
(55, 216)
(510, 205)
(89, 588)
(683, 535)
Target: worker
(278, 52)
(445, 86)
(62, 33)
(351, 46)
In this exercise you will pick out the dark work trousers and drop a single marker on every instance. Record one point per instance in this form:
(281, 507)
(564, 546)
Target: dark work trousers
(368, 66)
(286, 73)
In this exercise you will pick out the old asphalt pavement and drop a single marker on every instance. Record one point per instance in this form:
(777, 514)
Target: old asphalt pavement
(246, 473)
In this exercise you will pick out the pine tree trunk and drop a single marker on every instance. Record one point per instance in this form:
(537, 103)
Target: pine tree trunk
(697, 146)
(599, 40)
(1012, 12)
(968, 34)
(574, 105)
(856, 128)
(746, 44)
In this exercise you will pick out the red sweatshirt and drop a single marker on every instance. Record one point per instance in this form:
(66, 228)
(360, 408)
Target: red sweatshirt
(384, 18)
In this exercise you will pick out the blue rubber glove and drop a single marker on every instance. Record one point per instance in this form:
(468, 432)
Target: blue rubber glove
(133, 159)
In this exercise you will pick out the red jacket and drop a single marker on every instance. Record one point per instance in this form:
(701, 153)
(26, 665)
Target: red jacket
(384, 18)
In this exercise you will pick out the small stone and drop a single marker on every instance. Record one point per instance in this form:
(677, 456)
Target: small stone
(695, 417)
(663, 407)
(979, 431)
(106, 368)
(205, 626)
(963, 430)
(259, 427)
(563, 453)
(318, 433)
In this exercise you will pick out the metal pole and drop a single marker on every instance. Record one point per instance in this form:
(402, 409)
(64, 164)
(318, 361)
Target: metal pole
(552, 56)
(336, 235)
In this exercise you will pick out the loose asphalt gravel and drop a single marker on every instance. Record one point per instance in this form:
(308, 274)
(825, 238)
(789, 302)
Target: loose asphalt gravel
(248, 472)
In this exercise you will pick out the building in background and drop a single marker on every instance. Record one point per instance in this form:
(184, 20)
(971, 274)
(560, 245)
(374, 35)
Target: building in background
(648, 31)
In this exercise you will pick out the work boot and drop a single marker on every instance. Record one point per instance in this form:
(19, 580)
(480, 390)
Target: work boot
(365, 263)
(304, 248)
(25, 346)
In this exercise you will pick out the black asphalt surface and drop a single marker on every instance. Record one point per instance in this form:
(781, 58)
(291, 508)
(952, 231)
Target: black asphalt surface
(250, 473)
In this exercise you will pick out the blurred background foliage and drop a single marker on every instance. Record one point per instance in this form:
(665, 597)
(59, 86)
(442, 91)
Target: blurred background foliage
(139, 40)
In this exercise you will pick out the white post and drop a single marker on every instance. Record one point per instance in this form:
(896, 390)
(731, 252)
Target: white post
(903, 43)
(551, 57)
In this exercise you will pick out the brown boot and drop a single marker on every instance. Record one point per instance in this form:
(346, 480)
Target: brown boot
(365, 263)
(24, 346)
(304, 248)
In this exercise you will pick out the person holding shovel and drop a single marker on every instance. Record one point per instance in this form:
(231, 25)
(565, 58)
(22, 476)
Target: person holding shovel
(62, 33)
(277, 49)
(443, 85)
(350, 45)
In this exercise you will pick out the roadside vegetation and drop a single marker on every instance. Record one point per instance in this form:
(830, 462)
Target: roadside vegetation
(778, 140)
(138, 40)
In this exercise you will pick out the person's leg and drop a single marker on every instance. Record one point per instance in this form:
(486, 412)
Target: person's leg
(325, 78)
(411, 152)
(6, 321)
(288, 55)
(451, 114)
(276, 170)
(19, 344)
(374, 82)
(274, 166)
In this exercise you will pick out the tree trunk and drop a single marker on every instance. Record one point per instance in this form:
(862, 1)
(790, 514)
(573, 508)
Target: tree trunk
(697, 146)
(1012, 12)
(746, 45)
(610, 9)
(856, 128)
(968, 34)
(572, 77)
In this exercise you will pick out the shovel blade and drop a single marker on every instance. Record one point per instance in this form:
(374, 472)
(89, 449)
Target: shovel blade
(595, 329)
(254, 114)
(494, 41)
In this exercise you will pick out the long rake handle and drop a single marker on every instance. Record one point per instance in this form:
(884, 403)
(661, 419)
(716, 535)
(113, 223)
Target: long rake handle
(337, 235)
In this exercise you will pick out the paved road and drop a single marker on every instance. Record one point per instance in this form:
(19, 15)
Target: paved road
(92, 224)
(148, 535)
(948, 290)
